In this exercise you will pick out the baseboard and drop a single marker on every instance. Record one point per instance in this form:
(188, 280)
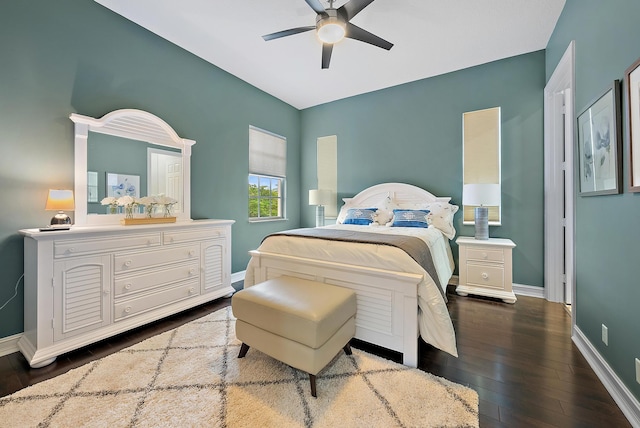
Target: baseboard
(238, 276)
(528, 290)
(618, 390)
(9, 344)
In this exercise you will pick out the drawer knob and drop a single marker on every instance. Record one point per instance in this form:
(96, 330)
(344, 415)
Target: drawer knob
(485, 275)
(71, 250)
(485, 255)
(127, 286)
(192, 252)
(127, 309)
(127, 263)
(192, 271)
(192, 290)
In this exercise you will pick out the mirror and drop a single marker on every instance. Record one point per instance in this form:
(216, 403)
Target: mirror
(157, 161)
(481, 146)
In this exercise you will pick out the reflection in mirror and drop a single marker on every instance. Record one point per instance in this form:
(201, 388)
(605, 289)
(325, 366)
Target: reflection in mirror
(92, 186)
(481, 139)
(133, 147)
(143, 161)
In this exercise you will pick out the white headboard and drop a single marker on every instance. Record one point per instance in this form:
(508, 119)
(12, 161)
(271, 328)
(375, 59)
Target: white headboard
(400, 193)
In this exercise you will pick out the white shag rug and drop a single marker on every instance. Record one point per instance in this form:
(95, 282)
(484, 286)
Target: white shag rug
(191, 377)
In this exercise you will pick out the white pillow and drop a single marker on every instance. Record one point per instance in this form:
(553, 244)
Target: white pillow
(440, 215)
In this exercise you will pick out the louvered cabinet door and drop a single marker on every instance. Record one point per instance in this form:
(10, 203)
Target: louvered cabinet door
(213, 259)
(82, 295)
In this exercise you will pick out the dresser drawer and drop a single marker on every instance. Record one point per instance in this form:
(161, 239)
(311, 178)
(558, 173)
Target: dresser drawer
(485, 275)
(100, 245)
(128, 308)
(131, 284)
(485, 254)
(126, 262)
(180, 236)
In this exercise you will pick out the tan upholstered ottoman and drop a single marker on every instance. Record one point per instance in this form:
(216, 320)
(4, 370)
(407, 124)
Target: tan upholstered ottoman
(302, 323)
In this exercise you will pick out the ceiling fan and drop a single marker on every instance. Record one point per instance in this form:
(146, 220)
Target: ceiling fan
(332, 25)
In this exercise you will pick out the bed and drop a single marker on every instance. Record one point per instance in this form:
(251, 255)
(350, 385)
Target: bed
(400, 289)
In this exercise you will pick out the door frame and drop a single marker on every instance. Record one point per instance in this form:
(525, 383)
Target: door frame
(559, 194)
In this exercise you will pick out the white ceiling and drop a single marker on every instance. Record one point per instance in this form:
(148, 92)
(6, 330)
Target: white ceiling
(430, 37)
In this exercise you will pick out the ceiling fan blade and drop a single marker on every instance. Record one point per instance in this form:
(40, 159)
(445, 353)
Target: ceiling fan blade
(315, 5)
(353, 7)
(288, 32)
(357, 33)
(327, 48)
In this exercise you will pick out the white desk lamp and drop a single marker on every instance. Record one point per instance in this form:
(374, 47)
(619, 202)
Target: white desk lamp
(481, 196)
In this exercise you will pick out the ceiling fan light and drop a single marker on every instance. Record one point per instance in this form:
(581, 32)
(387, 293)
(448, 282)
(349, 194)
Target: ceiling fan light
(331, 32)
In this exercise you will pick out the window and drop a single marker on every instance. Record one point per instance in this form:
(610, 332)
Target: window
(481, 145)
(267, 174)
(92, 186)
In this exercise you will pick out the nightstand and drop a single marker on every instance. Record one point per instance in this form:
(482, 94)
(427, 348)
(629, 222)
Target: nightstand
(485, 268)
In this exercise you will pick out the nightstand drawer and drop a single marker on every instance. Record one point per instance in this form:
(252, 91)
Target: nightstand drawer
(485, 276)
(485, 254)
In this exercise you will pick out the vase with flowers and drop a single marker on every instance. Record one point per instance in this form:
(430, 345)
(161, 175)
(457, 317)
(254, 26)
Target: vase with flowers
(129, 203)
(167, 202)
(112, 203)
(149, 203)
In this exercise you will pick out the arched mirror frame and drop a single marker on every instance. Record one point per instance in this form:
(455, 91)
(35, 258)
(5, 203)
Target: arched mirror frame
(135, 125)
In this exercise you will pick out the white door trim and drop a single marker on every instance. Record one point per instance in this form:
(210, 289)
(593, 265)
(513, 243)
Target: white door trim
(558, 180)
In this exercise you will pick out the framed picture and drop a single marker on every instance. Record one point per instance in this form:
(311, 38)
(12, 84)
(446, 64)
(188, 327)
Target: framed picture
(632, 82)
(599, 144)
(123, 184)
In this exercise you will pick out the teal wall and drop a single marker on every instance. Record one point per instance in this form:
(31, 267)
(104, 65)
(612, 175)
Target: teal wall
(65, 56)
(413, 134)
(606, 38)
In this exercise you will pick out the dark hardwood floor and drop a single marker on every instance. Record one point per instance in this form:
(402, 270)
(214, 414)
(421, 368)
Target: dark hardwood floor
(519, 358)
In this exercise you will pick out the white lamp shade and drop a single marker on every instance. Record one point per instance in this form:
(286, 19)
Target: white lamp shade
(60, 200)
(319, 197)
(487, 195)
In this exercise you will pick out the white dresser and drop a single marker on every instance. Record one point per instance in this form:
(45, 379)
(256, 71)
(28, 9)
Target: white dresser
(89, 283)
(485, 268)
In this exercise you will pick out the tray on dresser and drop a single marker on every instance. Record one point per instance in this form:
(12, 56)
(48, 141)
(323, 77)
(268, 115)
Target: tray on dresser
(147, 220)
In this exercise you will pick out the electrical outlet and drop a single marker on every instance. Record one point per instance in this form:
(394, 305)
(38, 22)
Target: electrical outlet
(637, 370)
(605, 334)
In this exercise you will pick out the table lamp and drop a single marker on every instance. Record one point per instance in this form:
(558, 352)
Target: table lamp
(319, 198)
(481, 196)
(60, 200)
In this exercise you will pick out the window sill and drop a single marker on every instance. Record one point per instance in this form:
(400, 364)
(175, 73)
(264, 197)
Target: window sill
(266, 220)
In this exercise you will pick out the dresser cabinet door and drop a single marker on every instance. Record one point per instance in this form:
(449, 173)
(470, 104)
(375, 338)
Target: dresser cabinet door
(81, 295)
(213, 259)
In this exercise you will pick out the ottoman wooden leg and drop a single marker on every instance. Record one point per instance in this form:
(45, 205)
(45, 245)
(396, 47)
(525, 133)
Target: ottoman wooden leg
(347, 349)
(243, 350)
(312, 379)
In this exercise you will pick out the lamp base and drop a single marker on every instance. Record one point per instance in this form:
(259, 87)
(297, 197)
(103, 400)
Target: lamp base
(319, 215)
(482, 223)
(60, 218)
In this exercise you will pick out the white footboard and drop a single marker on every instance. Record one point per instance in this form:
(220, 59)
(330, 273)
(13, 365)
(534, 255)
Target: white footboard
(387, 301)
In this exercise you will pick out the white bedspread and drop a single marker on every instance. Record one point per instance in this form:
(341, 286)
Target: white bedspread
(435, 323)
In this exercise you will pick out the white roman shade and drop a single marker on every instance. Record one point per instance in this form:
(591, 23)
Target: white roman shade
(267, 153)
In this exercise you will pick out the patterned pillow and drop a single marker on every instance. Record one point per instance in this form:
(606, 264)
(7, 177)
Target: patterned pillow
(410, 218)
(360, 216)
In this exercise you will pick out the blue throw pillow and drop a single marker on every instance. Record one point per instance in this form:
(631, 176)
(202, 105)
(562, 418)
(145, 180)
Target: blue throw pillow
(360, 216)
(410, 218)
